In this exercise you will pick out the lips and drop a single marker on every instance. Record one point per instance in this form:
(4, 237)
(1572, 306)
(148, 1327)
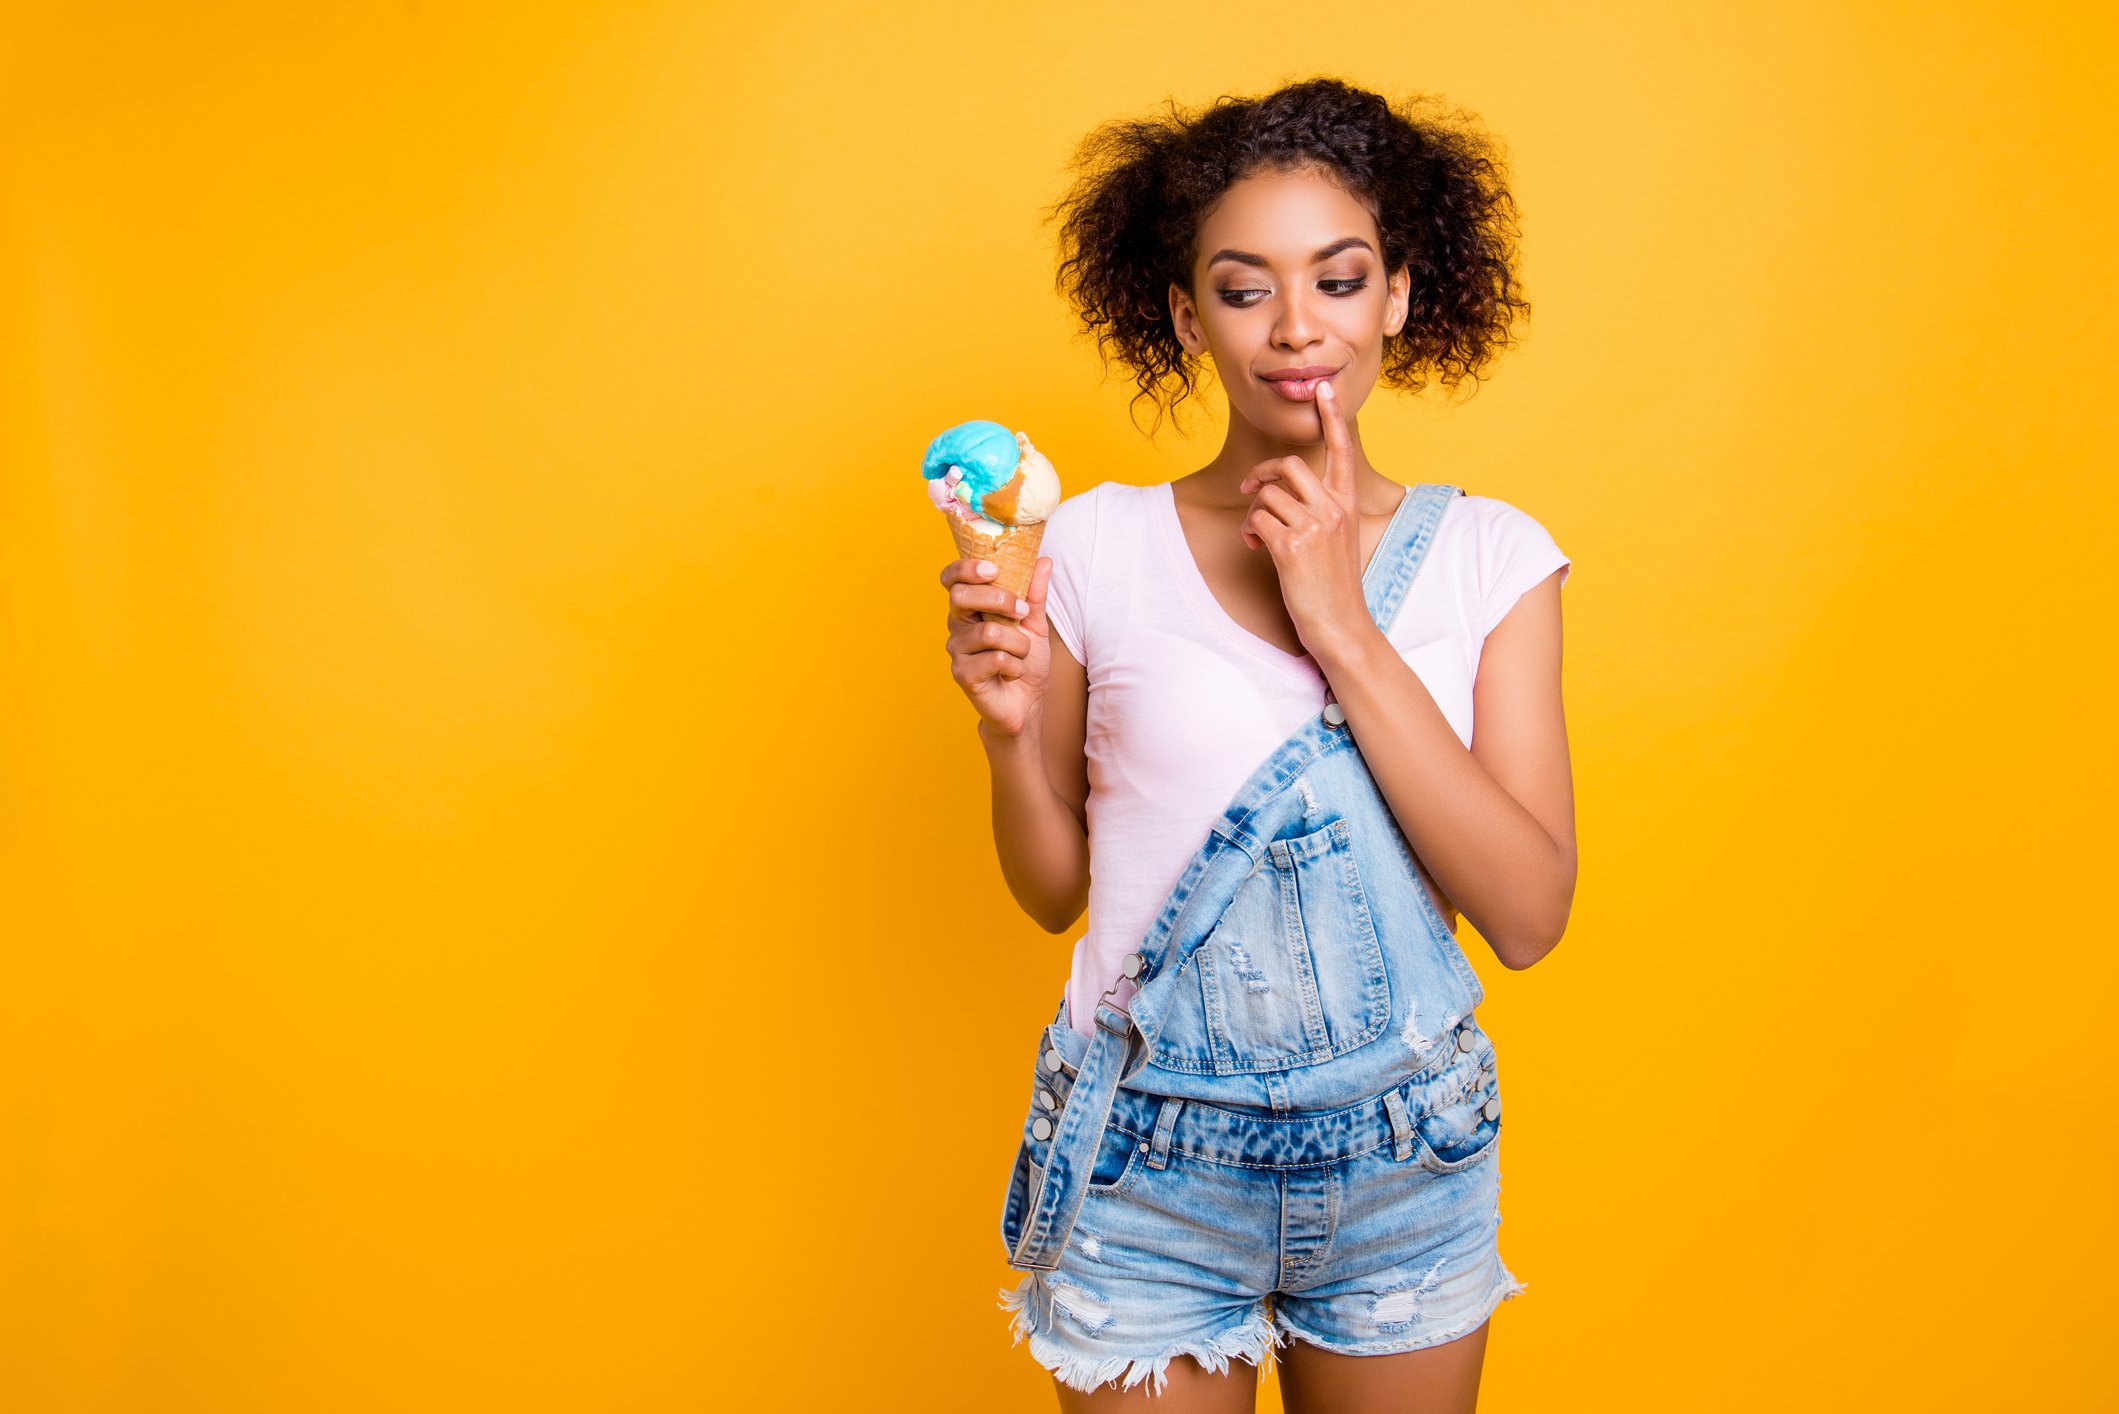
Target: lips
(1299, 385)
(1296, 390)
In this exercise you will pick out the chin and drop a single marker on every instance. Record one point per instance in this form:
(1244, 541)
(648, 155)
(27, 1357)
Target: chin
(1291, 422)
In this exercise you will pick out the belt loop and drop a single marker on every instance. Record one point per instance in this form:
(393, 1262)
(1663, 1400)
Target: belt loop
(1159, 1151)
(1401, 1125)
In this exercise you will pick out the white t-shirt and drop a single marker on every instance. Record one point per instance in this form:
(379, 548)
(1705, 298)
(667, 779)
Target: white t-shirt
(1184, 702)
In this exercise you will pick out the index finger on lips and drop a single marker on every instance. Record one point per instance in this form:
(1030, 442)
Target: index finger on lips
(1338, 441)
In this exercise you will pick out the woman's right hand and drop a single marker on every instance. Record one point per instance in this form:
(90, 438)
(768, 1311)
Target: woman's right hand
(1002, 667)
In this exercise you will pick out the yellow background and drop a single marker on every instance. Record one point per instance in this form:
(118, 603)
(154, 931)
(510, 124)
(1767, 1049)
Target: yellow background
(498, 905)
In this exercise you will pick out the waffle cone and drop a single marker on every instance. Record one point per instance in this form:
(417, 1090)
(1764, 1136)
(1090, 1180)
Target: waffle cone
(1013, 552)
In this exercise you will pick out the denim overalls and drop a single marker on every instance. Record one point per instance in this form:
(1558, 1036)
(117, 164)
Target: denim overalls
(1299, 965)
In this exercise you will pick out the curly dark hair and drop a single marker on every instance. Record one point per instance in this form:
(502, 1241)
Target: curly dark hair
(1436, 188)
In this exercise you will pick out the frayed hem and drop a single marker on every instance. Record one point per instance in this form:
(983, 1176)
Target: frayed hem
(1506, 1288)
(1252, 1340)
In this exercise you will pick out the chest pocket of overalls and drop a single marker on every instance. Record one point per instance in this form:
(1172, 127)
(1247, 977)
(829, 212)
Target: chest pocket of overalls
(1292, 973)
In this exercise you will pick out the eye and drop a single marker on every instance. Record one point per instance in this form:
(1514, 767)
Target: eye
(1346, 288)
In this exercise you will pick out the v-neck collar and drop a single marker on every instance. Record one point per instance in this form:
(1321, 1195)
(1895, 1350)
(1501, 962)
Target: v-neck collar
(1219, 619)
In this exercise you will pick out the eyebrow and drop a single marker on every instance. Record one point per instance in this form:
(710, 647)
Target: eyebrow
(1244, 256)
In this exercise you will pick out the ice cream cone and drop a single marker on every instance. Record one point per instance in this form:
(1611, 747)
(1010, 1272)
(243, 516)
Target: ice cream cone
(998, 492)
(1013, 552)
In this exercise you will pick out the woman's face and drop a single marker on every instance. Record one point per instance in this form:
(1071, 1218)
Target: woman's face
(1289, 275)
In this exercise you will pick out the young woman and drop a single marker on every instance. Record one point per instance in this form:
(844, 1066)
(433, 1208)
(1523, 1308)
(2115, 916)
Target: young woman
(1264, 1118)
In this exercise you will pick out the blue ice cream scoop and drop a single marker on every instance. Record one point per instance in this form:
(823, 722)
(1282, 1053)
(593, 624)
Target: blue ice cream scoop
(986, 451)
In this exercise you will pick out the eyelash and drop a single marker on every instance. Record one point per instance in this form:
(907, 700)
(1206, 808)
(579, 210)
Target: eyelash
(1357, 286)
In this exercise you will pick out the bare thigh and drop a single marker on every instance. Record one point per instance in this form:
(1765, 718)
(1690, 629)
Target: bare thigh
(1191, 1389)
(1441, 1379)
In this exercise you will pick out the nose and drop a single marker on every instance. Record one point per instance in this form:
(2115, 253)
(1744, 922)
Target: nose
(1298, 324)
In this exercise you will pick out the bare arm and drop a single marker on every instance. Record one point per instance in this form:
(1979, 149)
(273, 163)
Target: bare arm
(1032, 699)
(1494, 825)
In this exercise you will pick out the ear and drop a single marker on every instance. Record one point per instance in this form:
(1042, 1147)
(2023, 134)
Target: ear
(1401, 293)
(1184, 321)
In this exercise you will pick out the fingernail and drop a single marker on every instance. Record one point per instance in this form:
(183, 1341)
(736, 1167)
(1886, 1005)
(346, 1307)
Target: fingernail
(1022, 607)
(988, 567)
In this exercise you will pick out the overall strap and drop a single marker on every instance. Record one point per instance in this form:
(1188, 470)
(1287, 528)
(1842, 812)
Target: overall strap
(1070, 1153)
(1403, 548)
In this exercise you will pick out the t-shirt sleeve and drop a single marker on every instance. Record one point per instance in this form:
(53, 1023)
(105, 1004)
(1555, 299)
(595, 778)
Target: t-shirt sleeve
(1515, 553)
(1070, 541)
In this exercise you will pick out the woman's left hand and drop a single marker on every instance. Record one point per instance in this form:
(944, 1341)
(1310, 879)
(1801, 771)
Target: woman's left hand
(1312, 527)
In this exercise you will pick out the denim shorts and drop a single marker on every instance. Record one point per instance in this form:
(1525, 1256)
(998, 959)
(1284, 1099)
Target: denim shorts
(1221, 1231)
